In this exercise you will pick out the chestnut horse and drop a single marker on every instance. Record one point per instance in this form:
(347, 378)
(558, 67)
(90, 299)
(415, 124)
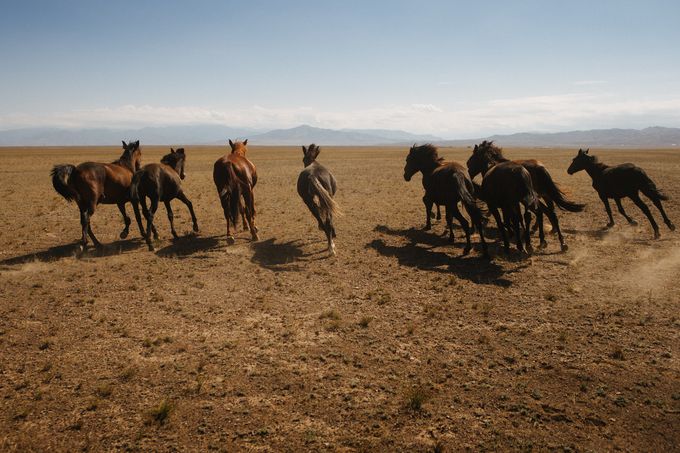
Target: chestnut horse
(91, 183)
(160, 182)
(486, 154)
(621, 181)
(446, 183)
(235, 177)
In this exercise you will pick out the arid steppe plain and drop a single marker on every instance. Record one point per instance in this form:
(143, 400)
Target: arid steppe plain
(398, 343)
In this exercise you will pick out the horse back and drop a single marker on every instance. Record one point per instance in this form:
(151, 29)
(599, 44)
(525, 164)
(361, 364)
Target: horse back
(321, 173)
(102, 183)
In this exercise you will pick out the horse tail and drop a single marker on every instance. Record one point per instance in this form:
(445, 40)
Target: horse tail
(327, 205)
(231, 192)
(134, 187)
(465, 190)
(530, 198)
(553, 191)
(61, 175)
(648, 188)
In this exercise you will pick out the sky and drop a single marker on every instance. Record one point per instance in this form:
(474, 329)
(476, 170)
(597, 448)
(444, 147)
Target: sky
(451, 68)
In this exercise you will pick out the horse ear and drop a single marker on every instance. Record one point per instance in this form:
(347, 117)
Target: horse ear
(587, 150)
(231, 144)
(137, 144)
(304, 149)
(172, 150)
(180, 151)
(245, 142)
(124, 144)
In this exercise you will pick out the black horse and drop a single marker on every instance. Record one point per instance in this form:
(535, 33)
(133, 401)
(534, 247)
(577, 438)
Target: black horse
(160, 182)
(487, 154)
(317, 183)
(446, 183)
(621, 181)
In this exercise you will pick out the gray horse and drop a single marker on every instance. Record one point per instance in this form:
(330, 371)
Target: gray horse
(316, 185)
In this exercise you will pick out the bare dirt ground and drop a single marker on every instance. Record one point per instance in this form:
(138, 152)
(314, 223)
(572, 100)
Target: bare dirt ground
(397, 344)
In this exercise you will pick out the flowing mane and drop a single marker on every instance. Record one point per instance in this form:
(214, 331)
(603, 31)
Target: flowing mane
(490, 152)
(429, 150)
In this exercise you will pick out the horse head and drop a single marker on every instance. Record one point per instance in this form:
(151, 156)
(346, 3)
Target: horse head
(309, 154)
(581, 161)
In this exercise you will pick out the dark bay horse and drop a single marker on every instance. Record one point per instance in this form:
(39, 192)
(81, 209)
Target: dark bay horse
(487, 154)
(446, 183)
(506, 186)
(160, 182)
(317, 183)
(92, 183)
(620, 181)
(235, 177)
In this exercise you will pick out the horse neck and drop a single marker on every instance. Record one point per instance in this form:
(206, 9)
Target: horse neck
(125, 162)
(429, 167)
(595, 169)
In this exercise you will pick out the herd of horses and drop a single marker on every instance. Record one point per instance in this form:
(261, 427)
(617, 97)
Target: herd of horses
(512, 192)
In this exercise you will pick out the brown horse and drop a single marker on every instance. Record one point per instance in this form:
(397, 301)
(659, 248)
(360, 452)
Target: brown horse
(486, 155)
(91, 183)
(446, 183)
(506, 186)
(621, 181)
(235, 177)
(160, 182)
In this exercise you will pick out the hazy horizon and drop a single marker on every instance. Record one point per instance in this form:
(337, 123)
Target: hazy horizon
(449, 69)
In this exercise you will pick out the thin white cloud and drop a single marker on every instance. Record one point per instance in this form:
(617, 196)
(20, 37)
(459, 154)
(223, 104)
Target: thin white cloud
(534, 113)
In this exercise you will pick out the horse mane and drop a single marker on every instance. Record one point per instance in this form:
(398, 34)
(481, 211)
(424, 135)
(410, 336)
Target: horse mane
(430, 150)
(490, 151)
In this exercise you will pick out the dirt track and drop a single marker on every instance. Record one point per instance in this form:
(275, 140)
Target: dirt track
(399, 343)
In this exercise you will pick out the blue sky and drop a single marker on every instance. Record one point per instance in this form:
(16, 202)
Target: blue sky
(456, 69)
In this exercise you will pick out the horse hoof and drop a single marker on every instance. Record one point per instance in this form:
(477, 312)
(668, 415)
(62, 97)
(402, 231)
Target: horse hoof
(124, 234)
(256, 237)
(565, 247)
(466, 251)
(427, 227)
(195, 228)
(609, 225)
(542, 245)
(230, 240)
(671, 227)
(151, 248)
(632, 223)
(657, 235)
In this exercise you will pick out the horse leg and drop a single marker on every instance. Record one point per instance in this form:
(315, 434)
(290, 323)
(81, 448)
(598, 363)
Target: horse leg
(439, 212)
(527, 228)
(329, 235)
(84, 223)
(643, 207)
(149, 221)
(554, 221)
(501, 227)
(250, 212)
(126, 219)
(138, 217)
(477, 222)
(171, 218)
(623, 213)
(666, 220)
(428, 212)
(225, 208)
(449, 221)
(183, 198)
(605, 201)
(514, 216)
(542, 209)
(466, 227)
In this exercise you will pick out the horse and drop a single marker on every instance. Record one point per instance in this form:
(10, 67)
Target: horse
(487, 154)
(621, 181)
(160, 182)
(506, 186)
(316, 182)
(92, 183)
(235, 177)
(446, 183)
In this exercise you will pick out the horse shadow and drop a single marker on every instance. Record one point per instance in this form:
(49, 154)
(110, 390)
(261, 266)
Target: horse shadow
(189, 245)
(73, 250)
(473, 268)
(275, 256)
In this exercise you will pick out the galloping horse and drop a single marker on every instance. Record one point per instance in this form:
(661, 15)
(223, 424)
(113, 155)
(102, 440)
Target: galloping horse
(235, 177)
(316, 182)
(506, 185)
(486, 155)
(91, 183)
(160, 182)
(446, 183)
(621, 181)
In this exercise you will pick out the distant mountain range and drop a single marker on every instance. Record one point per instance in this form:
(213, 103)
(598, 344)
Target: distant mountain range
(651, 137)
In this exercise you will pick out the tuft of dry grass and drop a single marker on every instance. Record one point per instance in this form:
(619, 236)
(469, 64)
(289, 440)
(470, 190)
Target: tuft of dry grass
(160, 413)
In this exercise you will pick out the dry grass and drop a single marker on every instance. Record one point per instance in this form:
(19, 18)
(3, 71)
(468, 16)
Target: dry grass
(274, 346)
